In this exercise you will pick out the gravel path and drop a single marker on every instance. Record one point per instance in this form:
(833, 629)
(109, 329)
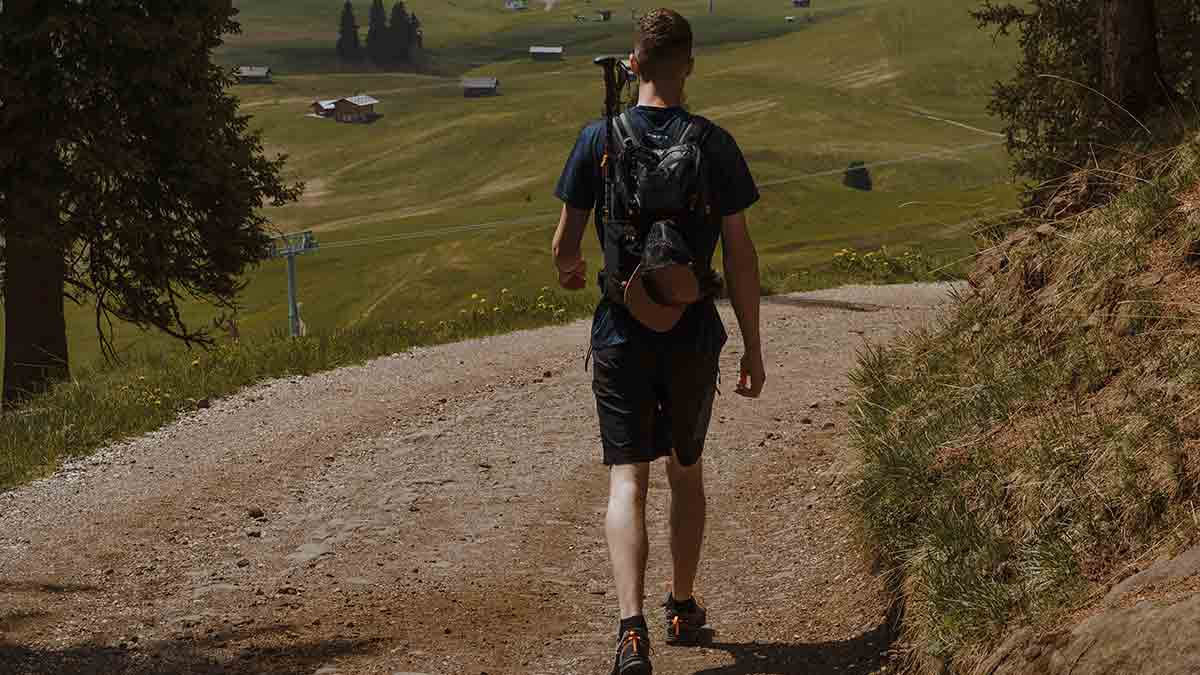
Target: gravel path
(440, 512)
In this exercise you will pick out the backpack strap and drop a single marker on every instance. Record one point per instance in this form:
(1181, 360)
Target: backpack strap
(697, 131)
(624, 131)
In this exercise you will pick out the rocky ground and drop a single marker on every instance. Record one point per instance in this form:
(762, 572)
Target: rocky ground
(440, 511)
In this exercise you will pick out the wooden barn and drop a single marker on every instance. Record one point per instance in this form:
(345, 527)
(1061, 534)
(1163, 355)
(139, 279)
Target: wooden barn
(358, 108)
(476, 87)
(516, 5)
(254, 75)
(546, 53)
(604, 14)
(804, 4)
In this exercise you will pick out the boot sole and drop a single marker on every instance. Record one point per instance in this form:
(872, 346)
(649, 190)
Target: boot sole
(637, 668)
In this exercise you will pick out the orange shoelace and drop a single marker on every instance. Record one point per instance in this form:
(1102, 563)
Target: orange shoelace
(675, 623)
(632, 636)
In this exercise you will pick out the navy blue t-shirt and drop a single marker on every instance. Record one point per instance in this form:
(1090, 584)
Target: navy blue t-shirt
(733, 191)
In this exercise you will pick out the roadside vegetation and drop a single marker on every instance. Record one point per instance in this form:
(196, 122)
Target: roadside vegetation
(148, 389)
(1042, 441)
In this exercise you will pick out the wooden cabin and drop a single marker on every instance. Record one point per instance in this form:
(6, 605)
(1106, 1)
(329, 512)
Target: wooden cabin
(476, 87)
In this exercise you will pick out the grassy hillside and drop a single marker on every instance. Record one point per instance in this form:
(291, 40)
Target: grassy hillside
(862, 81)
(1043, 443)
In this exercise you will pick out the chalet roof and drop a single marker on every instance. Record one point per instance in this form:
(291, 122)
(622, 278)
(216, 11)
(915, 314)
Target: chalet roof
(327, 104)
(545, 50)
(480, 83)
(361, 100)
(253, 71)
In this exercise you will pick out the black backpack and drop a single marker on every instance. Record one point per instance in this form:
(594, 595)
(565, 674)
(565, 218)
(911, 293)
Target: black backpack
(661, 190)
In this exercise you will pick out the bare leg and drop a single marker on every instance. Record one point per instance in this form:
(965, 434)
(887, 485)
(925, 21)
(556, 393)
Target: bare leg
(626, 530)
(688, 513)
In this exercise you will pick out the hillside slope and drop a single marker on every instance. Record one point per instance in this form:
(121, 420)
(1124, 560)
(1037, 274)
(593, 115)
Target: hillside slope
(1043, 443)
(878, 81)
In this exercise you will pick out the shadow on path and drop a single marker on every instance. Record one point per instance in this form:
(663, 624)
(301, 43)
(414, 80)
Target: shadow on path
(862, 655)
(203, 656)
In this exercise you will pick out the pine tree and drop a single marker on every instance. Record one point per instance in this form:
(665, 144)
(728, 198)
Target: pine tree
(398, 32)
(377, 35)
(348, 46)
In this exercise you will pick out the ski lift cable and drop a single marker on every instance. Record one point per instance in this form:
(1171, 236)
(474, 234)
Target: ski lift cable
(491, 225)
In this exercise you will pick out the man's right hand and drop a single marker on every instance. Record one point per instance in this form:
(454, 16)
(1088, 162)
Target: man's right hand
(573, 276)
(572, 270)
(753, 375)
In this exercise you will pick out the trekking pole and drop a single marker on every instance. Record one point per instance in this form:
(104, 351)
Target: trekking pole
(612, 103)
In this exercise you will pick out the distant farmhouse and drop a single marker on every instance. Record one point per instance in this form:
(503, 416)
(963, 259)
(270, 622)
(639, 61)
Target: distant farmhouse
(546, 53)
(475, 87)
(516, 5)
(360, 109)
(254, 75)
(604, 14)
(802, 3)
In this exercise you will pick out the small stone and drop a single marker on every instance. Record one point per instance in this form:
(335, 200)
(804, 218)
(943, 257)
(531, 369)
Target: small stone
(203, 404)
(806, 420)
(254, 534)
(243, 563)
(255, 512)
(484, 465)
(828, 425)
(547, 374)
(814, 406)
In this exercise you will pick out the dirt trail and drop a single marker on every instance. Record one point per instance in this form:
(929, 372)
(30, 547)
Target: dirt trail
(440, 512)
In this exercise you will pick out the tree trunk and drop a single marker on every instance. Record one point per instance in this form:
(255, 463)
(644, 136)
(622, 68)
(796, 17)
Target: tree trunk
(1131, 69)
(35, 329)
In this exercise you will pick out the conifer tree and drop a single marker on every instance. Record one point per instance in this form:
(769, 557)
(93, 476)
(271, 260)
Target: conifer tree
(417, 36)
(113, 196)
(377, 35)
(398, 31)
(348, 46)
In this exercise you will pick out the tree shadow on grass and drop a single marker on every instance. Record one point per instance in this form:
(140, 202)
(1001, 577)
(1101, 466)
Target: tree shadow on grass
(203, 656)
(862, 655)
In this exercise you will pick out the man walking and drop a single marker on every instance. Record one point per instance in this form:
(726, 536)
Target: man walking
(680, 185)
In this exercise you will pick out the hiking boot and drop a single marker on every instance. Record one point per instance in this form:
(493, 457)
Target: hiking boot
(633, 654)
(685, 621)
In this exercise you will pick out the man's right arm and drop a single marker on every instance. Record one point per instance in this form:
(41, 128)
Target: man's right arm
(741, 275)
(568, 258)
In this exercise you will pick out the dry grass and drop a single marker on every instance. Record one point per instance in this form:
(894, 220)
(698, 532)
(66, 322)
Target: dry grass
(1023, 455)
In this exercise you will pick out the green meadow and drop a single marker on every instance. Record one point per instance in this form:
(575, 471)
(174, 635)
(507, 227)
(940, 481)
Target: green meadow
(900, 85)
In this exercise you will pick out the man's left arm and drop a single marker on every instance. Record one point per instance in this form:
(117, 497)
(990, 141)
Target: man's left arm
(568, 240)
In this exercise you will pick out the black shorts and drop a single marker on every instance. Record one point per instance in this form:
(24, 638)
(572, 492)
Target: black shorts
(652, 398)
